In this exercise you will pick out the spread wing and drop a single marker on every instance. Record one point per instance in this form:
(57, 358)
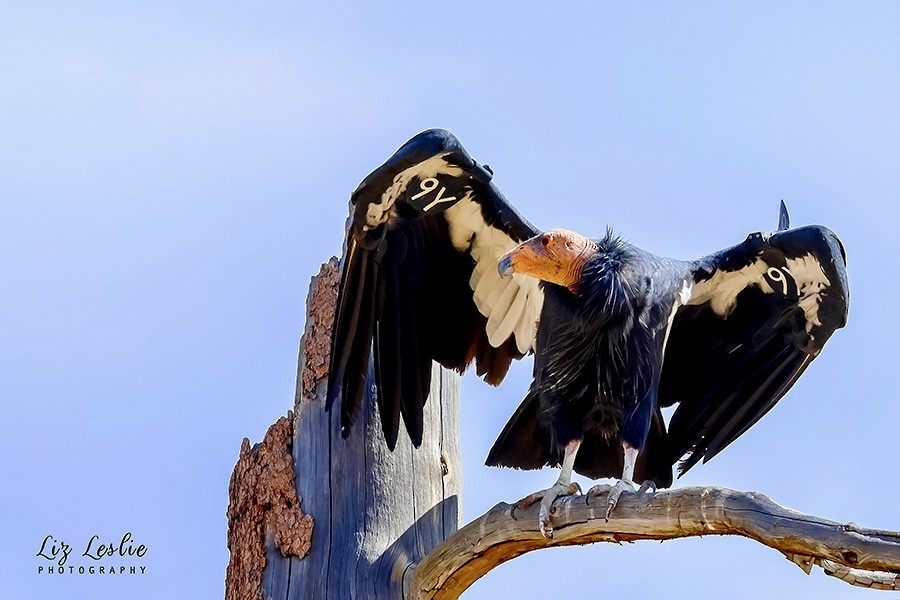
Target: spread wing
(758, 314)
(420, 282)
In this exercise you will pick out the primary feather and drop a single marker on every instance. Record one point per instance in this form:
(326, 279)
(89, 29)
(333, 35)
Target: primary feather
(420, 282)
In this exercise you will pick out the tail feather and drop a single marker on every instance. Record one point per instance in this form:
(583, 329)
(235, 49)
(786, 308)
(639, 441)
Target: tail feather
(521, 444)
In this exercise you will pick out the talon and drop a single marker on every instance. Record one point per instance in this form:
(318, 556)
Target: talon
(598, 490)
(611, 503)
(547, 497)
(649, 486)
(529, 500)
(544, 517)
(616, 491)
(546, 530)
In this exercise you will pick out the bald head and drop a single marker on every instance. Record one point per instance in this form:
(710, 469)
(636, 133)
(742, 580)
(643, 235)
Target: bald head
(557, 256)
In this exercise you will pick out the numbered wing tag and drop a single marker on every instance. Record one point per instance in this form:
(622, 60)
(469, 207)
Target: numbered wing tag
(782, 281)
(434, 195)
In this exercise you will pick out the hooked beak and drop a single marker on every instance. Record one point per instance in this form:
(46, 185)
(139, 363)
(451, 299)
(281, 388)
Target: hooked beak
(556, 256)
(531, 257)
(505, 266)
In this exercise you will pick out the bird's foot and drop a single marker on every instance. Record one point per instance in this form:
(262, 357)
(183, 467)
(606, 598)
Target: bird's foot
(616, 490)
(546, 498)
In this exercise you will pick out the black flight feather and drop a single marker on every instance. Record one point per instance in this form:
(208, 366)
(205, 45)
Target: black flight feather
(405, 280)
(727, 371)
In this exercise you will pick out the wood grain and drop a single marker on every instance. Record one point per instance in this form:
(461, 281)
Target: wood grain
(376, 512)
(864, 557)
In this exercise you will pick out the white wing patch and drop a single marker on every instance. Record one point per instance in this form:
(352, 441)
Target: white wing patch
(722, 289)
(512, 305)
(811, 282)
(380, 213)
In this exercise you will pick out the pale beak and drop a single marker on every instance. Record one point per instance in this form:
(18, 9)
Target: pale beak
(505, 266)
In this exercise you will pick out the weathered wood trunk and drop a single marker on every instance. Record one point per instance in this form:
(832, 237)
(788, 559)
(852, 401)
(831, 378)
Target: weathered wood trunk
(375, 512)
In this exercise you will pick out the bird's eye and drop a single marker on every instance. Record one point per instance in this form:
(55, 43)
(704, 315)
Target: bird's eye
(545, 241)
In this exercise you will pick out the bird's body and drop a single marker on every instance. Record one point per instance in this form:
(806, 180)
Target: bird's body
(618, 333)
(597, 366)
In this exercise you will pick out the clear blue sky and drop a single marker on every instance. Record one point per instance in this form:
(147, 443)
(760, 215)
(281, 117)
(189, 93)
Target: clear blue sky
(172, 174)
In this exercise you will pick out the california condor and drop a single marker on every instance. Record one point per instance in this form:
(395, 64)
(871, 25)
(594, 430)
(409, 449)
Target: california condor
(439, 266)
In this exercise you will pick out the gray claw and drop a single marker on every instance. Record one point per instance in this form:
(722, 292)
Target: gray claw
(529, 500)
(597, 490)
(648, 486)
(546, 529)
(547, 498)
(615, 492)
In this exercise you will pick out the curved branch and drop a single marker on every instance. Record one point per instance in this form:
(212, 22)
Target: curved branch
(870, 558)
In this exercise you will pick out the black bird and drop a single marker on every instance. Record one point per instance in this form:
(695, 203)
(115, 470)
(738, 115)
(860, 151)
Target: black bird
(620, 333)
(624, 333)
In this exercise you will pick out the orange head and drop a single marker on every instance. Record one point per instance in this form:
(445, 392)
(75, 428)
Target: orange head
(557, 256)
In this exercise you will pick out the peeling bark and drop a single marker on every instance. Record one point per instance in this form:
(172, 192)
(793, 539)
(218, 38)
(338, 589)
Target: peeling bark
(315, 347)
(263, 509)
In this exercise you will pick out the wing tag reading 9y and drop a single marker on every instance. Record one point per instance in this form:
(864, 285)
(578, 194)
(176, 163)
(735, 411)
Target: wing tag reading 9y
(433, 196)
(782, 281)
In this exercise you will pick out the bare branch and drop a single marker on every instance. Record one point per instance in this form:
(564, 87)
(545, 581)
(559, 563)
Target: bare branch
(870, 558)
